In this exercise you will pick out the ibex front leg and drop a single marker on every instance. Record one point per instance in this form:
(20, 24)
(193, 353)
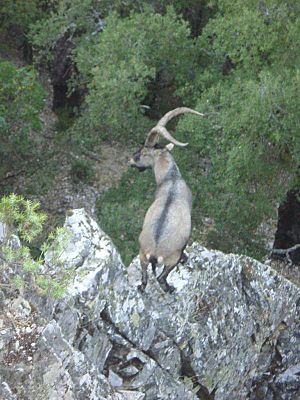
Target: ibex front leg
(144, 264)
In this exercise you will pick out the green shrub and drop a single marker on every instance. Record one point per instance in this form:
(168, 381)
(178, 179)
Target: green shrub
(18, 14)
(72, 19)
(82, 171)
(120, 63)
(140, 45)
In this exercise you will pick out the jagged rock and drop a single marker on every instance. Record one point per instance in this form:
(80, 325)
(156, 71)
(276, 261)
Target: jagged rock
(2, 232)
(229, 331)
(6, 392)
(7, 237)
(7, 272)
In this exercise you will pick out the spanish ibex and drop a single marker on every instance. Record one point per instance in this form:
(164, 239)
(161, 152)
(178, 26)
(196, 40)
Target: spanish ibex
(167, 224)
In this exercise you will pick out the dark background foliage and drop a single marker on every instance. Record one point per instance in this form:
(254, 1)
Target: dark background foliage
(118, 66)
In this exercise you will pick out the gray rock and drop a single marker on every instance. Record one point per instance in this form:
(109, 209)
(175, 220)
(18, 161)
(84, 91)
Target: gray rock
(114, 379)
(229, 331)
(3, 229)
(6, 392)
(7, 237)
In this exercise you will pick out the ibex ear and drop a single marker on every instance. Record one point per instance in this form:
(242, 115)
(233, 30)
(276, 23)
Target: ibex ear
(169, 146)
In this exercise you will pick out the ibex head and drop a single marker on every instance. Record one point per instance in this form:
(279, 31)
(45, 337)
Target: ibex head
(145, 157)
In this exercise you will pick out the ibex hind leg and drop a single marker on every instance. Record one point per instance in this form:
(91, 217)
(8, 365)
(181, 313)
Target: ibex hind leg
(183, 257)
(144, 266)
(153, 261)
(162, 280)
(169, 266)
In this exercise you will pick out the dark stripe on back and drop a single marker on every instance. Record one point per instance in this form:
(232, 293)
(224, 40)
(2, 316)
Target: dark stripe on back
(161, 222)
(172, 175)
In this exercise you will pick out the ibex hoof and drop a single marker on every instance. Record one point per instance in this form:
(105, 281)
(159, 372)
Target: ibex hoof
(165, 286)
(170, 289)
(141, 288)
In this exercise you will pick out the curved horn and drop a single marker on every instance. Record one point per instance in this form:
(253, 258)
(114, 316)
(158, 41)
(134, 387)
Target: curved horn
(177, 111)
(152, 138)
(160, 130)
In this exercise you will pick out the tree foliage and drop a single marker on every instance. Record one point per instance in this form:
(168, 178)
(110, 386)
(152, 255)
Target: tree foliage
(253, 142)
(21, 101)
(237, 60)
(18, 13)
(122, 61)
(71, 19)
(142, 43)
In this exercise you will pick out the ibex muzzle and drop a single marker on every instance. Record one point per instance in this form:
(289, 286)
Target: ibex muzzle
(167, 224)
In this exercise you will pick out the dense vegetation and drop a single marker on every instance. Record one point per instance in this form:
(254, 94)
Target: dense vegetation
(21, 101)
(238, 60)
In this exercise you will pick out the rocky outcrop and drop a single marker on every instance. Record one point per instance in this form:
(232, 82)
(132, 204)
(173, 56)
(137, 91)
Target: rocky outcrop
(229, 331)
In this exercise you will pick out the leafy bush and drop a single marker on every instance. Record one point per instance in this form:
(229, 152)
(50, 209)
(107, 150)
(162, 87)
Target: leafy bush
(120, 63)
(72, 19)
(18, 14)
